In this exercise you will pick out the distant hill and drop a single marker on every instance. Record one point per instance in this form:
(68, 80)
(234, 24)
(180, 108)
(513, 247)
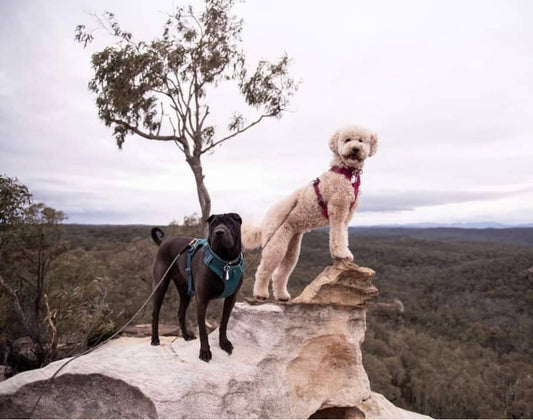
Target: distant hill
(451, 334)
(517, 236)
(465, 225)
(86, 235)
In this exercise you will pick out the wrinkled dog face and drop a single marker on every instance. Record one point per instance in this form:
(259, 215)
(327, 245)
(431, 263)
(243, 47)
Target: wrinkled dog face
(353, 145)
(224, 230)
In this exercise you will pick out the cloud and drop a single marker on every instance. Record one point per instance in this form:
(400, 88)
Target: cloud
(447, 85)
(410, 200)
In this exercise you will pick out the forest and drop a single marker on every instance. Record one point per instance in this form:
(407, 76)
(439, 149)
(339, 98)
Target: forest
(450, 336)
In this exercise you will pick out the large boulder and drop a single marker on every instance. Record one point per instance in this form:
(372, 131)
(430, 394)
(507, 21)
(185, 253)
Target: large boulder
(296, 360)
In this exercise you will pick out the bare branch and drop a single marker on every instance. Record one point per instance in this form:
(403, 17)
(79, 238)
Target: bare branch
(174, 129)
(177, 104)
(236, 133)
(204, 117)
(50, 320)
(143, 134)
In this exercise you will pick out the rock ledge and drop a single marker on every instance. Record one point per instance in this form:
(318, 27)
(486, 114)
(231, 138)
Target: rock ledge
(298, 360)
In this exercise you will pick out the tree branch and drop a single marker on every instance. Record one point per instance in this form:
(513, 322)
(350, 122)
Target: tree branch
(205, 116)
(145, 135)
(18, 307)
(50, 320)
(242, 130)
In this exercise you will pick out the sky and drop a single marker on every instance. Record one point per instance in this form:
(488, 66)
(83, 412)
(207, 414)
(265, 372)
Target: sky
(446, 85)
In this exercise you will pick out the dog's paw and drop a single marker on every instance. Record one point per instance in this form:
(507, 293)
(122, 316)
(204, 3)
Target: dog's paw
(155, 342)
(260, 297)
(226, 345)
(343, 256)
(188, 336)
(205, 355)
(282, 296)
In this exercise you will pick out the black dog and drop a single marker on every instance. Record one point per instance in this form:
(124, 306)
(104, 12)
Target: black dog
(224, 241)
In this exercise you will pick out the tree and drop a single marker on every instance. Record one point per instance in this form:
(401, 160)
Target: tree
(135, 82)
(30, 239)
(14, 198)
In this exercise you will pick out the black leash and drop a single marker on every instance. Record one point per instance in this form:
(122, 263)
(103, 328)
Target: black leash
(48, 382)
(139, 311)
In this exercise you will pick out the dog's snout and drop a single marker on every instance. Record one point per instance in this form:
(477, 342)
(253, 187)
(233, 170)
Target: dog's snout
(355, 150)
(219, 232)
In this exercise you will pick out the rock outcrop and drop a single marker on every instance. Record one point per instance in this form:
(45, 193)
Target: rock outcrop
(296, 360)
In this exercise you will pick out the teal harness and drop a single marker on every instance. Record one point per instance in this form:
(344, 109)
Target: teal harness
(229, 271)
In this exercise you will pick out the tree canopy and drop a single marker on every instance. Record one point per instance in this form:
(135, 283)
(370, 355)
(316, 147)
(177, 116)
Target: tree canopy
(158, 90)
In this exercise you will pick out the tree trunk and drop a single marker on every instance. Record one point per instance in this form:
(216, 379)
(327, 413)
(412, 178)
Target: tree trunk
(203, 195)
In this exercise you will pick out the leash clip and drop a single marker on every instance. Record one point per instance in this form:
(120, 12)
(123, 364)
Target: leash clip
(226, 272)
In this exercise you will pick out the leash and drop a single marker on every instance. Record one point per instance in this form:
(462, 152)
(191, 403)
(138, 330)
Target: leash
(48, 382)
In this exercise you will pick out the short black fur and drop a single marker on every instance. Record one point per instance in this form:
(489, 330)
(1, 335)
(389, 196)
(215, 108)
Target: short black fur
(224, 238)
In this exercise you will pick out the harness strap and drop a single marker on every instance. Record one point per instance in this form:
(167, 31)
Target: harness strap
(193, 247)
(320, 198)
(355, 186)
(229, 271)
(355, 180)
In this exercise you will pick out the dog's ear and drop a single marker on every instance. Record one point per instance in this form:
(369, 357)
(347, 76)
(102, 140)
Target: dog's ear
(236, 217)
(210, 218)
(333, 141)
(373, 144)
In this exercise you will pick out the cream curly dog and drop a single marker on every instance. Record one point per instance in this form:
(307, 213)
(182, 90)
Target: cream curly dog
(330, 200)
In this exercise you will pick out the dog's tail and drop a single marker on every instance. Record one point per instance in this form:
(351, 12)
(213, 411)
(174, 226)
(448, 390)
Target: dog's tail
(157, 235)
(251, 234)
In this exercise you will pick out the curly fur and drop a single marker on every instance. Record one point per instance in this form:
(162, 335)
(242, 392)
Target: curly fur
(285, 223)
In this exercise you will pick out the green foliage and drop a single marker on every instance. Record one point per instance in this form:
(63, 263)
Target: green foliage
(37, 300)
(159, 89)
(133, 81)
(14, 198)
(78, 287)
(460, 348)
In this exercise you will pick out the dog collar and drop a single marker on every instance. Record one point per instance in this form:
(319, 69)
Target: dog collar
(350, 173)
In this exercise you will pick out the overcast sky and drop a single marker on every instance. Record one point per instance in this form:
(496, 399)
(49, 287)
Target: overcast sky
(448, 87)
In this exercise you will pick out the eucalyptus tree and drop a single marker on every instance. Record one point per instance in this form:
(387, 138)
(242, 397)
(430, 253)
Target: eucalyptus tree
(160, 90)
(30, 241)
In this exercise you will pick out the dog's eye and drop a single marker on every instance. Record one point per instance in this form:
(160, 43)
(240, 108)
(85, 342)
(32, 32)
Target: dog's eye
(347, 140)
(360, 140)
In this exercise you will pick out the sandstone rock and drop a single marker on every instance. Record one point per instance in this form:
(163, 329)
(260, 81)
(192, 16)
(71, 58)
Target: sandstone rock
(289, 361)
(343, 284)
(144, 330)
(378, 407)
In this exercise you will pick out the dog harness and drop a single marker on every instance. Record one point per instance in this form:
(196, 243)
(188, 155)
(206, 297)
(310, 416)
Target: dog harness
(229, 271)
(355, 179)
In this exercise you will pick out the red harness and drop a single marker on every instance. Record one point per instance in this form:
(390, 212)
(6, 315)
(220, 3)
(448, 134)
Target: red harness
(351, 174)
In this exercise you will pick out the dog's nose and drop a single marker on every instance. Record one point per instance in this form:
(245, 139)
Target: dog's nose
(219, 232)
(355, 149)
